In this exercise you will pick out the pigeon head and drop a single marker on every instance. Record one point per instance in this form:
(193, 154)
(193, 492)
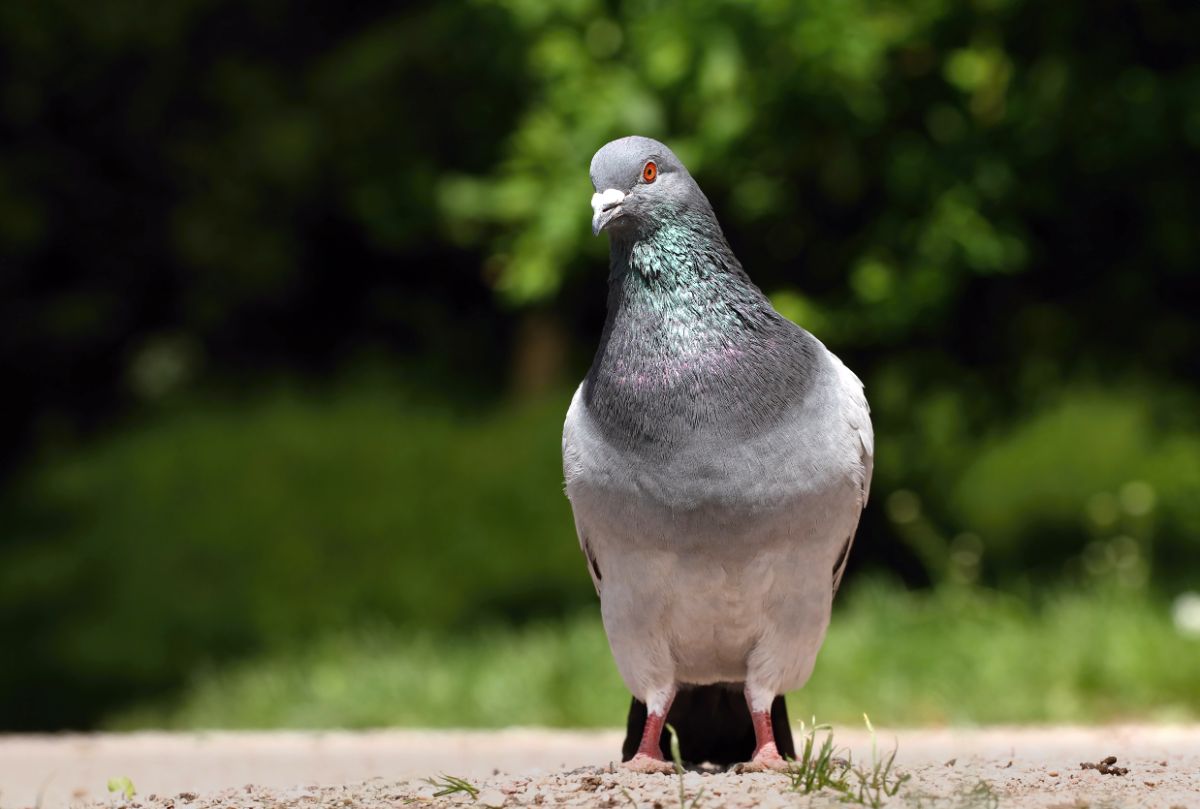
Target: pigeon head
(640, 185)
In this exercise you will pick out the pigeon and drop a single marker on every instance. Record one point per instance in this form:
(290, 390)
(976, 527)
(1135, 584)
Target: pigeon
(717, 459)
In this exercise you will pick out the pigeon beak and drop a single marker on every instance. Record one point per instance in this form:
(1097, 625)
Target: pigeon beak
(605, 207)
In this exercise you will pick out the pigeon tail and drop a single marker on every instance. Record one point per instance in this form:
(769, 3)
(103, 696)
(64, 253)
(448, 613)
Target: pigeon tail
(714, 726)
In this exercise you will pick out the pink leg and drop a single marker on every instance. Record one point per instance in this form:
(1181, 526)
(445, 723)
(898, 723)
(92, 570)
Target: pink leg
(649, 756)
(766, 754)
(651, 735)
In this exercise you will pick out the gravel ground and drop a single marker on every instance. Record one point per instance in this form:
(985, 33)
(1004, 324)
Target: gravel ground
(948, 769)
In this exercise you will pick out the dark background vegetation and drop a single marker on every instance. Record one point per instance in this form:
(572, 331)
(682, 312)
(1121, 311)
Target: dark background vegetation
(293, 297)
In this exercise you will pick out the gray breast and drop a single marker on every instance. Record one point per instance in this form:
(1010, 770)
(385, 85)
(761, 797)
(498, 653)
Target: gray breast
(655, 396)
(738, 468)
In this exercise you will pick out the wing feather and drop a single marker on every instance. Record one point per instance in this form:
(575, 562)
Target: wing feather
(572, 466)
(858, 417)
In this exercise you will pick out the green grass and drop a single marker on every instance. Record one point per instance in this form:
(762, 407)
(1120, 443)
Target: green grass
(906, 658)
(677, 760)
(451, 784)
(816, 768)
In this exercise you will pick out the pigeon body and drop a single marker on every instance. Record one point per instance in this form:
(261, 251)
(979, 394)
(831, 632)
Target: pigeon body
(717, 458)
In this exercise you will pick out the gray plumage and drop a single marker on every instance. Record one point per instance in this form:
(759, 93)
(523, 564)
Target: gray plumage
(717, 456)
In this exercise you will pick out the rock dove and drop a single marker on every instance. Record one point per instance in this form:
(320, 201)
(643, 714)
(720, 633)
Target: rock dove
(717, 458)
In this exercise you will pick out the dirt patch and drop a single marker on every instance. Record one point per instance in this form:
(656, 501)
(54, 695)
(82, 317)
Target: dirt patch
(991, 768)
(979, 785)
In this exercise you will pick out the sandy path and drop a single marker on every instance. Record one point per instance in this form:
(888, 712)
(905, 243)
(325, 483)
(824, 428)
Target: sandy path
(537, 767)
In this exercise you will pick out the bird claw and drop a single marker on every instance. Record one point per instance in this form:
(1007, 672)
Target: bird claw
(648, 764)
(767, 759)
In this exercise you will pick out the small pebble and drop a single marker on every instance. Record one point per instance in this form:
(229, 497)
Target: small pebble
(491, 797)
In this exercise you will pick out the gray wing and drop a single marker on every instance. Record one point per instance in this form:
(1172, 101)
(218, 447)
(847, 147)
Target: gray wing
(858, 417)
(572, 466)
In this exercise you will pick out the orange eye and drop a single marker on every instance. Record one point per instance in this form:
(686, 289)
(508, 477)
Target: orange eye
(649, 172)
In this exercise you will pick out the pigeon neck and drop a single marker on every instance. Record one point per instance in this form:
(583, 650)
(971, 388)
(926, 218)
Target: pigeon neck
(690, 345)
(684, 271)
(674, 253)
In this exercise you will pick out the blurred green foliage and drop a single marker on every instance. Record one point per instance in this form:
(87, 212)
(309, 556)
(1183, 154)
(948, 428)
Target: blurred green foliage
(1130, 475)
(956, 656)
(258, 527)
(1092, 476)
(985, 207)
(220, 530)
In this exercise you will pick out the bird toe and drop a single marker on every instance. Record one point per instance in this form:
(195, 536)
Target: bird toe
(767, 759)
(648, 764)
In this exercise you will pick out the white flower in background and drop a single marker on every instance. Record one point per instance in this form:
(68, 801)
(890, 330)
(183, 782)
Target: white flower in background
(1185, 613)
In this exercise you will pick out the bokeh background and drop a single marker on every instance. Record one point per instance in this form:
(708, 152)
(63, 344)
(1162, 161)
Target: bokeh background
(294, 295)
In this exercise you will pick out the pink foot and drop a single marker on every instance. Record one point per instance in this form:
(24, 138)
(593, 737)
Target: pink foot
(649, 757)
(648, 764)
(767, 759)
